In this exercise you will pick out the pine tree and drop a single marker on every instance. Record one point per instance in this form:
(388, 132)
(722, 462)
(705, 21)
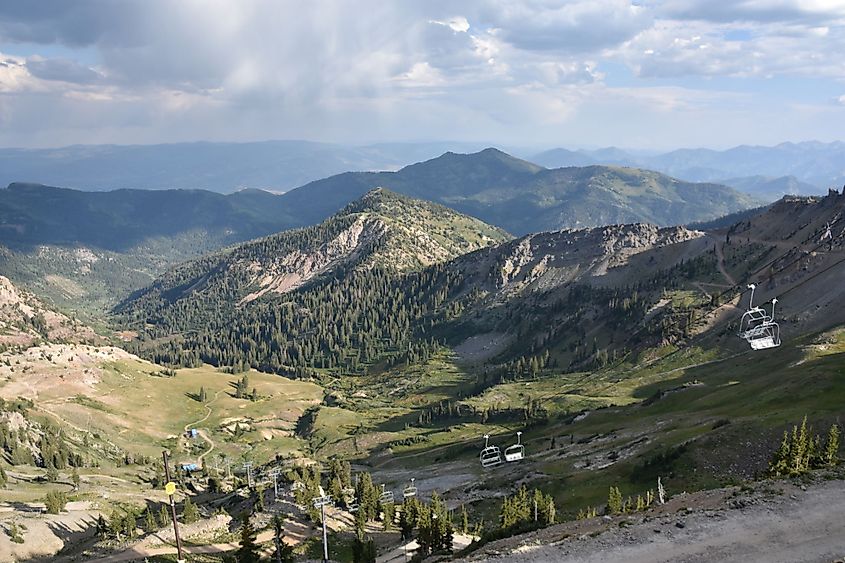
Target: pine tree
(248, 551)
(614, 501)
(464, 520)
(190, 514)
(831, 450)
(779, 464)
(3, 477)
(389, 510)
(260, 505)
(150, 524)
(102, 527)
(74, 476)
(55, 502)
(284, 552)
(163, 517)
(202, 396)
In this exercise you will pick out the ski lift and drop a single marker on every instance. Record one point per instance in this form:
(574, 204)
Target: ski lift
(758, 327)
(517, 451)
(386, 496)
(410, 490)
(491, 456)
(348, 495)
(827, 233)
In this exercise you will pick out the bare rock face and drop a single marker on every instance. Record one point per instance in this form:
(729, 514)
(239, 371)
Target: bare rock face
(289, 271)
(386, 230)
(550, 259)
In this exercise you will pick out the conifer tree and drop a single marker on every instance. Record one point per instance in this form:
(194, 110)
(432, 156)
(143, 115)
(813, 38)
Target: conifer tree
(102, 527)
(190, 514)
(248, 551)
(74, 477)
(284, 552)
(163, 517)
(150, 524)
(614, 501)
(831, 450)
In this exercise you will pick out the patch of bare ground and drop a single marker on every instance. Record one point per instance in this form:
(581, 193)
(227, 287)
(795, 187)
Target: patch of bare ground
(769, 521)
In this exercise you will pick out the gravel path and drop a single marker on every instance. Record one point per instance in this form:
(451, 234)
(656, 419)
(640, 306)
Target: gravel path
(795, 526)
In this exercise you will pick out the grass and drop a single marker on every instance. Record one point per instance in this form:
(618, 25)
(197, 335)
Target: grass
(141, 413)
(759, 393)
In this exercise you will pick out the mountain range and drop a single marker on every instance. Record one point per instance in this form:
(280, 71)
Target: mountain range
(799, 168)
(522, 197)
(283, 165)
(218, 167)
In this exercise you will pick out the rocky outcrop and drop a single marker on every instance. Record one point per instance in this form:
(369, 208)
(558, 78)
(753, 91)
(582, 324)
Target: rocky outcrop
(24, 320)
(550, 259)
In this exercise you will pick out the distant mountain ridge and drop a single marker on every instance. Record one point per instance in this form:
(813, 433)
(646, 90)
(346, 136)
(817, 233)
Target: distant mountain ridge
(76, 248)
(821, 165)
(522, 197)
(218, 167)
(514, 194)
(32, 214)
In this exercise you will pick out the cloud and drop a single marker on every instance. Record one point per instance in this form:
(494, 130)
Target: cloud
(810, 12)
(157, 70)
(64, 70)
(575, 27)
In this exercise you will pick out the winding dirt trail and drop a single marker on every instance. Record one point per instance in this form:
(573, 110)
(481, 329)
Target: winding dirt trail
(720, 263)
(200, 432)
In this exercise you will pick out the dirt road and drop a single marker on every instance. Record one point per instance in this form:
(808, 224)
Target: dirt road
(793, 526)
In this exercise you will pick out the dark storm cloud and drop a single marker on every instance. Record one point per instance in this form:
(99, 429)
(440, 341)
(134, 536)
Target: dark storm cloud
(64, 70)
(75, 23)
(808, 12)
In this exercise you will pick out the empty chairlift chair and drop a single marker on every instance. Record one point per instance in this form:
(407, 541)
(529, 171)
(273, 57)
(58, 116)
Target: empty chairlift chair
(491, 456)
(348, 495)
(758, 327)
(386, 496)
(410, 490)
(517, 451)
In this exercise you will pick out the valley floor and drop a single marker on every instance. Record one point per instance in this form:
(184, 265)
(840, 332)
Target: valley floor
(777, 522)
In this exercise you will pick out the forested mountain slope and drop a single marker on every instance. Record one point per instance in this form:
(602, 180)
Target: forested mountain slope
(522, 197)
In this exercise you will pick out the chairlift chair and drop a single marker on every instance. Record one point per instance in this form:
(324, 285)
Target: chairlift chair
(754, 317)
(410, 490)
(758, 328)
(353, 506)
(517, 451)
(491, 456)
(386, 496)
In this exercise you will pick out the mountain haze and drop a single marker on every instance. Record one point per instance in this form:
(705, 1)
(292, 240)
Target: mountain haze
(218, 167)
(816, 164)
(522, 197)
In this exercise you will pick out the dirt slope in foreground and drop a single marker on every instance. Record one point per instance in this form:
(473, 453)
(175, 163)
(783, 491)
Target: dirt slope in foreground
(777, 522)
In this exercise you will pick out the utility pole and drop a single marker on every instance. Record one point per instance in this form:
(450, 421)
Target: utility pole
(321, 502)
(170, 488)
(274, 473)
(248, 469)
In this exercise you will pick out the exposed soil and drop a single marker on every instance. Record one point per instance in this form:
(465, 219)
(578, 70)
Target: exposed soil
(773, 521)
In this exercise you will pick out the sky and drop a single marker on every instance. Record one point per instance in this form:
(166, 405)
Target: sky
(647, 74)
